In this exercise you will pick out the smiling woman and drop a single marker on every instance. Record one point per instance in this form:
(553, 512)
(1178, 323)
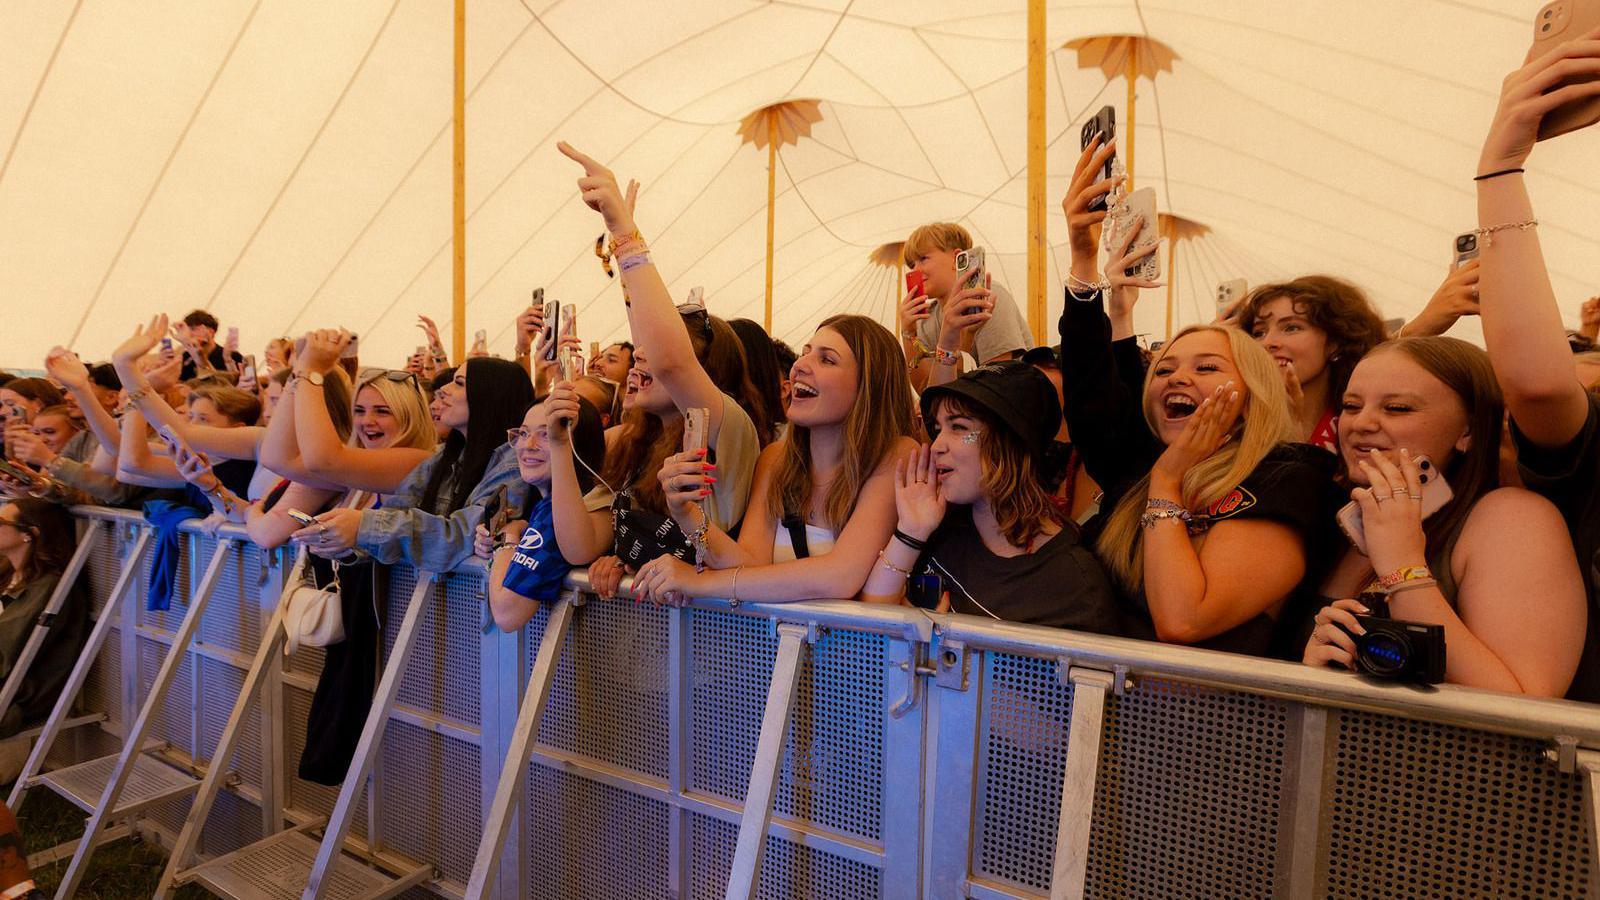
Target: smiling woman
(1208, 509)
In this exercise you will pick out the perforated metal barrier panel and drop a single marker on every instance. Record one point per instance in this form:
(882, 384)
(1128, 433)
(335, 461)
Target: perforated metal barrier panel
(645, 752)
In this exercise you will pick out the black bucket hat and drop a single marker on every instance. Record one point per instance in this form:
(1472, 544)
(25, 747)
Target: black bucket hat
(1015, 394)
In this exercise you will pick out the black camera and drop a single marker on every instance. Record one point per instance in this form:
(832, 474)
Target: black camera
(1398, 650)
(1466, 243)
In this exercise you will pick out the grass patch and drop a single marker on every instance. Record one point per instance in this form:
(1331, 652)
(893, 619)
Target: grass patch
(126, 868)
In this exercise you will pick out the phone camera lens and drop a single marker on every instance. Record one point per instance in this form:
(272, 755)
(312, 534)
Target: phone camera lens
(1548, 13)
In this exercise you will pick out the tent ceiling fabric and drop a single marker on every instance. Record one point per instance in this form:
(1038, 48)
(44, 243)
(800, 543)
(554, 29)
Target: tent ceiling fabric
(286, 163)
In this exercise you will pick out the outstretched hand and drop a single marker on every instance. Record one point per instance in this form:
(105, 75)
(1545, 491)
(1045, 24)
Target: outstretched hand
(142, 341)
(599, 190)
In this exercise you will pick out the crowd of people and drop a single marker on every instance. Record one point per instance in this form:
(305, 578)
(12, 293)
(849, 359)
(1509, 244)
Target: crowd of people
(1262, 484)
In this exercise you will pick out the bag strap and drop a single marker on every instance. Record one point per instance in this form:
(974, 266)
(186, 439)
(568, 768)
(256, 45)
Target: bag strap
(797, 533)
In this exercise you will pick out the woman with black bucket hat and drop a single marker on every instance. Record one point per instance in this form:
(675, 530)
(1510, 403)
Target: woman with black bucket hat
(977, 531)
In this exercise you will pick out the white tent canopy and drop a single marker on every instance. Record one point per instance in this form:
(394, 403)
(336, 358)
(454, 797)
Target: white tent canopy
(286, 164)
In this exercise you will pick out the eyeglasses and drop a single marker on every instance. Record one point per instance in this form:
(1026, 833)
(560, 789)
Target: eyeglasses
(399, 376)
(518, 436)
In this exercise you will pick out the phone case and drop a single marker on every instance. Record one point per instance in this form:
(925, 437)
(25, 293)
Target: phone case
(1231, 292)
(1554, 24)
(1435, 494)
(1465, 248)
(552, 324)
(695, 420)
(1142, 203)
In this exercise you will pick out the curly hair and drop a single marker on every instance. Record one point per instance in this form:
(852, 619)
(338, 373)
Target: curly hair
(1336, 307)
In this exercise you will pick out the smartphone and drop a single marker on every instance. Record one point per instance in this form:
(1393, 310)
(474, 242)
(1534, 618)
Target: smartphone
(916, 283)
(496, 511)
(247, 378)
(1104, 124)
(1555, 23)
(171, 438)
(1142, 203)
(1435, 494)
(594, 351)
(925, 590)
(302, 519)
(1229, 293)
(18, 471)
(480, 340)
(695, 428)
(351, 349)
(233, 336)
(548, 334)
(971, 262)
(1466, 247)
(166, 346)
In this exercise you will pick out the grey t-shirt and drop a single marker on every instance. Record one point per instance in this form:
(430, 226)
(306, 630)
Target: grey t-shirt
(1000, 336)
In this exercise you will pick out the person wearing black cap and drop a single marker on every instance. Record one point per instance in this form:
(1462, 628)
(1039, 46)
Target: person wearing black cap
(978, 532)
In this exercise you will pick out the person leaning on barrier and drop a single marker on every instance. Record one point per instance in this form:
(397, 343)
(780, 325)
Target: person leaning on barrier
(975, 517)
(565, 520)
(431, 517)
(36, 541)
(823, 501)
(1416, 402)
(1555, 422)
(1210, 510)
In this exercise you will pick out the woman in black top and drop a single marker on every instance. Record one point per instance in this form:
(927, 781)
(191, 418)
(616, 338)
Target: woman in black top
(36, 540)
(1207, 507)
(976, 525)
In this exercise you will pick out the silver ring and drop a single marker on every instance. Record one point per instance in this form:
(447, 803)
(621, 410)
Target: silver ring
(1401, 492)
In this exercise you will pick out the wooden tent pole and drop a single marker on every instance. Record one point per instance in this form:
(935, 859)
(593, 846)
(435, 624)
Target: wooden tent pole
(772, 196)
(458, 191)
(1133, 79)
(1170, 233)
(1038, 235)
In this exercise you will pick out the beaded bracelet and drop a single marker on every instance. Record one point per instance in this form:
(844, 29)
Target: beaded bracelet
(1158, 509)
(884, 561)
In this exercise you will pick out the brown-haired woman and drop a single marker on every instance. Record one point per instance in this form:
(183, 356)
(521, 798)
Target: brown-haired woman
(36, 540)
(1431, 404)
(976, 525)
(823, 500)
(1316, 328)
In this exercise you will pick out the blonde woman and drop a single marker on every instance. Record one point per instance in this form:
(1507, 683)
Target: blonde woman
(1208, 509)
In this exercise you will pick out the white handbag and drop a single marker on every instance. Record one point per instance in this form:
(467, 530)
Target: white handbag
(313, 616)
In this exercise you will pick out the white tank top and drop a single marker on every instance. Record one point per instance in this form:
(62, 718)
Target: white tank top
(819, 541)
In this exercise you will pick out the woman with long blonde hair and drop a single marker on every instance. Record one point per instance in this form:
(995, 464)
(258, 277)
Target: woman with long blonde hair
(823, 499)
(1208, 507)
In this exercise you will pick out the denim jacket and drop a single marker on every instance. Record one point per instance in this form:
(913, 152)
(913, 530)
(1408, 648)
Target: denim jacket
(436, 543)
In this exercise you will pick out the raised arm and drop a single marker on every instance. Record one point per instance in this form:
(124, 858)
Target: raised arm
(582, 535)
(1522, 324)
(323, 454)
(652, 317)
(136, 464)
(67, 369)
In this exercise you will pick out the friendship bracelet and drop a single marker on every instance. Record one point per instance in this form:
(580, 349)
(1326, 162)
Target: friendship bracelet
(1401, 576)
(884, 561)
(945, 357)
(629, 263)
(1488, 233)
(1158, 509)
(618, 243)
(1413, 585)
(137, 394)
(1497, 174)
(910, 541)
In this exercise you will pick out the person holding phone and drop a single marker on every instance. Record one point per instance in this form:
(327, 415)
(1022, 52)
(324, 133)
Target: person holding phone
(1210, 510)
(1555, 422)
(203, 352)
(565, 521)
(823, 500)
(950, 316)
(1316, 327)
(975, 518)
(684, 358)
(1433, 402)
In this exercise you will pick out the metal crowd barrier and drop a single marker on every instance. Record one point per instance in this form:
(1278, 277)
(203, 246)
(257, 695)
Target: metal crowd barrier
(886, 752)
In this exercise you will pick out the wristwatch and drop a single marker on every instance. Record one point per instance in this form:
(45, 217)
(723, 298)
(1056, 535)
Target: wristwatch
(316, 378)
